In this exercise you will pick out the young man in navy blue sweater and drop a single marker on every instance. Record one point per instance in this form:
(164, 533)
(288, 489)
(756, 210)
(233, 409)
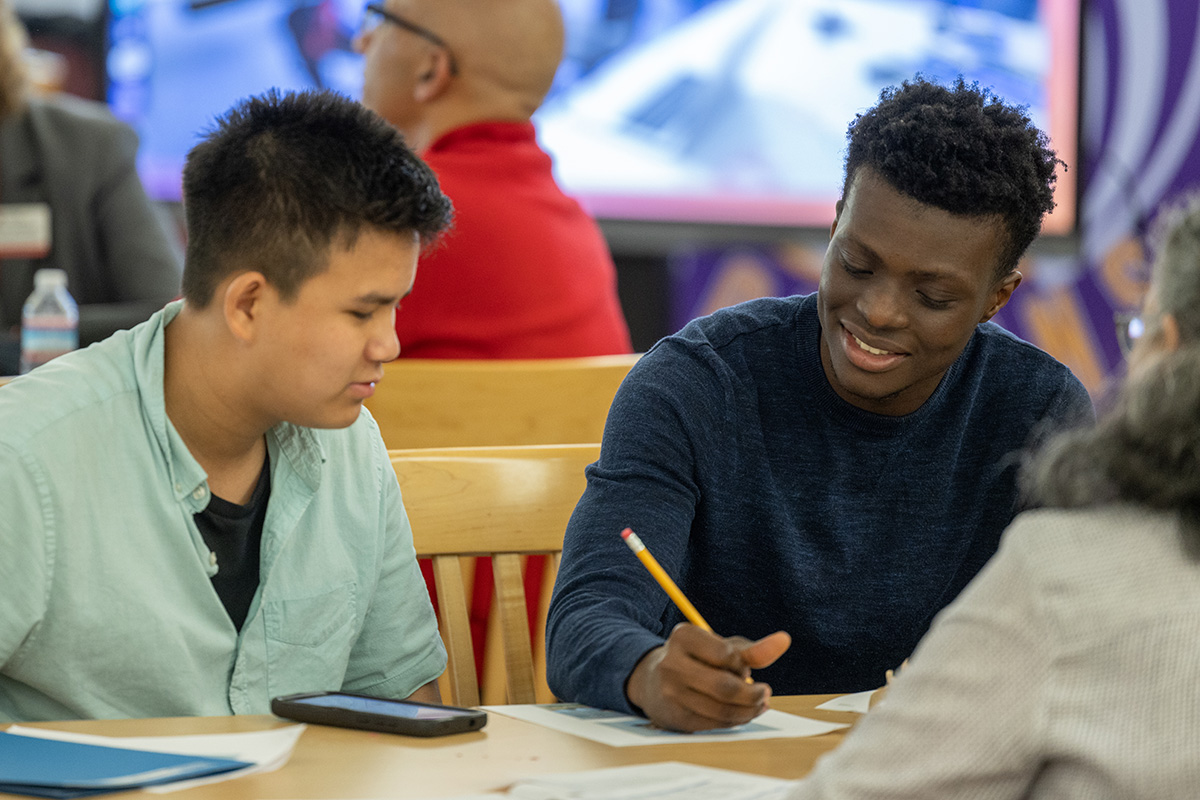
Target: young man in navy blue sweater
(822, 474)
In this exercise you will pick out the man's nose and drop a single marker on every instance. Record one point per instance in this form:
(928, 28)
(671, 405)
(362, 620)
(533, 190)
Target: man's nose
(882, 307)
(359, 43)
(385, 344)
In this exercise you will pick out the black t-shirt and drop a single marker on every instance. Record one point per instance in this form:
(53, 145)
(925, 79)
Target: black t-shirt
(234, 534)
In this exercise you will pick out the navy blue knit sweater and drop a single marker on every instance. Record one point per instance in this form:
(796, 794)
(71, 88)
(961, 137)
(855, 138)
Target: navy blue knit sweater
(776, 505)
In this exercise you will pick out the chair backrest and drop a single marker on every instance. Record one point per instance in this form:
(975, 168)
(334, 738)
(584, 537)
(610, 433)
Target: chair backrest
(471, 403)
(502, 502)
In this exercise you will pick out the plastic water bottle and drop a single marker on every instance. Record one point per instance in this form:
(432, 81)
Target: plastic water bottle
(49, 320)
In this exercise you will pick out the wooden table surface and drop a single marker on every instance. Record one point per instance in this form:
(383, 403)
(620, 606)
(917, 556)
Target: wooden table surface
(341, 763)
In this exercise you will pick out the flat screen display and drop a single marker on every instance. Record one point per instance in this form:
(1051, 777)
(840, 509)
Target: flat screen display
(704, 111)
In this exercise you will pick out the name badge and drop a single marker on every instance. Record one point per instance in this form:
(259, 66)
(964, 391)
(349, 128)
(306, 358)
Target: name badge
(24, 230)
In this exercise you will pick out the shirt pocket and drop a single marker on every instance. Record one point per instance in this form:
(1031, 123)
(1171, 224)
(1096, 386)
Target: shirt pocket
(309, 640)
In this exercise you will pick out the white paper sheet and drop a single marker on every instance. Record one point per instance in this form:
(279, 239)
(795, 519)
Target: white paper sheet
(267, 750)
(623, 730)
(858, 703)
(667, 780)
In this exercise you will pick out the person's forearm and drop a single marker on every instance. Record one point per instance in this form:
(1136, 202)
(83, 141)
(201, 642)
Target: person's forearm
(591, 651)
(429, 693)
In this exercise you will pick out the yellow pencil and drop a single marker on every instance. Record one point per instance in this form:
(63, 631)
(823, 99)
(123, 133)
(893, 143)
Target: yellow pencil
(664, 580)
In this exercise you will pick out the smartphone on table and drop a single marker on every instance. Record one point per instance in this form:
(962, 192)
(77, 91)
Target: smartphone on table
(348, 710)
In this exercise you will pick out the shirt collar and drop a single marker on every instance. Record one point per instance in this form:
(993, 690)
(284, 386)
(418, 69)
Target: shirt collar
(299, 445)
(492, 131)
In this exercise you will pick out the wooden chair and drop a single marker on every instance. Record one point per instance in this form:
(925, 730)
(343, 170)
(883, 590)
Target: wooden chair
(503, 502)
(469, 403)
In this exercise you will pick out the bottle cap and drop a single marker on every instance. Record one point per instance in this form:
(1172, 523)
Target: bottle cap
(49, 278)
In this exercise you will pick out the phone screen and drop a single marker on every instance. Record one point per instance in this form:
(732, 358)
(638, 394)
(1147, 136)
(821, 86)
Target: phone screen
(390, 708)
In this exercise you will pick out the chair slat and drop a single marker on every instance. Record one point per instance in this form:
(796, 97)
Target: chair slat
(476, 501)
(541, 687)
(456, 629)
(514, 622)
(449, 402)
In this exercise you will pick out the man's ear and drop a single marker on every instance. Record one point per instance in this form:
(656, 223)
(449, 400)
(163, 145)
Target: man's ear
(434, 77)
(1002, 293)
(243, 304)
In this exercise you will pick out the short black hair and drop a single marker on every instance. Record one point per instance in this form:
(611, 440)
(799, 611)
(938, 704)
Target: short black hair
(282, 176)
(961, 149)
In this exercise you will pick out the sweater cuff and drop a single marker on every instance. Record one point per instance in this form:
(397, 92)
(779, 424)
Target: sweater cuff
(611, 687)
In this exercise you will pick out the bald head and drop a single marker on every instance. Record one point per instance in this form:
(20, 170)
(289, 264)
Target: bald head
(497, 63)
(508, 46)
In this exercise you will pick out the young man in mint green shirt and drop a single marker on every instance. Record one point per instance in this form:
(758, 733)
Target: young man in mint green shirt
(197, 514)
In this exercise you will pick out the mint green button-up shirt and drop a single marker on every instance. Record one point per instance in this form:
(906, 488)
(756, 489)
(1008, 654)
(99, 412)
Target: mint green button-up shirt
(106, 604)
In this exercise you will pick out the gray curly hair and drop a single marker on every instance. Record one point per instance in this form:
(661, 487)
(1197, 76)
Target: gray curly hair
(1176, 279)
(1147, 450)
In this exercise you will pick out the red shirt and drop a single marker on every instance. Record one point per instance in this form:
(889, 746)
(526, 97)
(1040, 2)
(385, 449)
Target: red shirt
(523, 273)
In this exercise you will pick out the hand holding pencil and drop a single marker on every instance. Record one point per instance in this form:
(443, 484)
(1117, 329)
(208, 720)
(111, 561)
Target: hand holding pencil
(698, 680)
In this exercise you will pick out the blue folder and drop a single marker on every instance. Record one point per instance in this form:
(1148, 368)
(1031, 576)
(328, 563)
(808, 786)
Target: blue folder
(51, 768)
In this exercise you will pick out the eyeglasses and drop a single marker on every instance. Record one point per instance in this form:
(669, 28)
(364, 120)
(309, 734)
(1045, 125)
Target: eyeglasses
(1130, 327)
(375, 15)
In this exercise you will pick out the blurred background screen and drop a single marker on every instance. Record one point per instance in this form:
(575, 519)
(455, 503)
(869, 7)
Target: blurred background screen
(692, 111)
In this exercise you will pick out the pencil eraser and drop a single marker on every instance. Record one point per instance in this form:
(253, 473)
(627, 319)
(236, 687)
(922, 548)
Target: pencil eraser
(625, 534)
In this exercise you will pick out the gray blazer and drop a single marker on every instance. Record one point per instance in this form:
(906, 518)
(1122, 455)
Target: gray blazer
(122, 265)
